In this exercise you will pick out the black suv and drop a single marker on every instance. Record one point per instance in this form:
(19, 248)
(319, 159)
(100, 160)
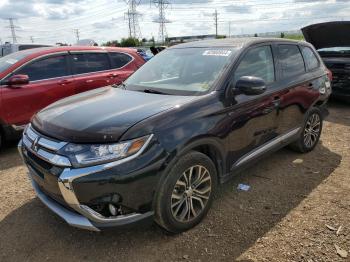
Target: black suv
(189, 119)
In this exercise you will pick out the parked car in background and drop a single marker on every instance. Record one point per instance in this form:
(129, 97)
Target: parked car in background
(145, 55)
(332, 41)
(9, 48)
(34, 78)
(192, 117)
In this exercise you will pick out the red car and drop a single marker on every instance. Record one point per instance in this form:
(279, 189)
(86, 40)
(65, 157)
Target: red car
(32, 79)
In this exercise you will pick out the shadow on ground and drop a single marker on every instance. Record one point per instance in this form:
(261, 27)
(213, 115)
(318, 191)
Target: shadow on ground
(9, 156)
(236, 221)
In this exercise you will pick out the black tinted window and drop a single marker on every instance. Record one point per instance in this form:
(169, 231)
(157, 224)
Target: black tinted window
(292, 62)
(119, 59)
(46, 68)
(257, 62)
(90, 62)
(310, 58)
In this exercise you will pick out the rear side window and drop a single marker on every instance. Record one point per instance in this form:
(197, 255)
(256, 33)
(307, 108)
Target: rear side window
(292, 62)
(119, 59)
(257, 62)
(51, 67)
(90, 62)
(310, 58)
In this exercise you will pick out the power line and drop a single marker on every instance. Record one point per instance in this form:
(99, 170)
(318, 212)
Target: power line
(132, 17)
(13, 29)
(162, 5)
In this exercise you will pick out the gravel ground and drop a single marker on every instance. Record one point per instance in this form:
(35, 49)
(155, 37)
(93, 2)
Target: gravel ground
(283, 217)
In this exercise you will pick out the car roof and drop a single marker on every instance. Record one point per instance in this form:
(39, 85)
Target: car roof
(39, 51)
(233, 42)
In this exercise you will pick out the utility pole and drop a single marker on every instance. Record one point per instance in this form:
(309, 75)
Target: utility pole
(13, 29)
(32, 39)
(229, 29)
(76, 31)
(132, 17)
(162, 5)
(216, 22)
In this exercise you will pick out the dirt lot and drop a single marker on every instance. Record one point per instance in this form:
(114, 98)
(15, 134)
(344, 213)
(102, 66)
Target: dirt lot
(282, 218)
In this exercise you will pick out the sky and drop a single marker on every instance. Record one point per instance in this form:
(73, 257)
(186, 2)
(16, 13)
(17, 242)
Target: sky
(52, 21)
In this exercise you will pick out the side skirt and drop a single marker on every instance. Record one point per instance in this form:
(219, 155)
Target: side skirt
(262, 151)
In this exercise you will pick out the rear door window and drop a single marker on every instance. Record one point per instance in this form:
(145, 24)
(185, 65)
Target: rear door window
(310, 58)
(90, 62)
(119, 59)
(292, 63)
(51, 67)
(257, 62)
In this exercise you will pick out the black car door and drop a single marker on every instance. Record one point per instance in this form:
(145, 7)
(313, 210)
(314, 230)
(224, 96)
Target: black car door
(255, 119)
(299, 89)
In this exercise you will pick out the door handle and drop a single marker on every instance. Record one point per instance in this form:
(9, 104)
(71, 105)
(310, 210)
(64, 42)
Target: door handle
(276, 102)
(113, 75)
(89, 81)
(65, 82)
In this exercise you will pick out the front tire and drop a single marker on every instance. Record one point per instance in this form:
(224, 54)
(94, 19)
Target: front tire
(186, 193)
(310, 135)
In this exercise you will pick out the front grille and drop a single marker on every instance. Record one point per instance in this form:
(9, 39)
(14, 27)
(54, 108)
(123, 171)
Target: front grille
(44, 148)
(45, 165)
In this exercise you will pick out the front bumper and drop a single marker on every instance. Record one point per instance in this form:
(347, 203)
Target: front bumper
(70, 192)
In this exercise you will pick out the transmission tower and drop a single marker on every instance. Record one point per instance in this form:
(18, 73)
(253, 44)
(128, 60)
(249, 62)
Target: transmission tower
(132, 16)
(216, 22)
(13, 29)
(76, 31)
(162, 5)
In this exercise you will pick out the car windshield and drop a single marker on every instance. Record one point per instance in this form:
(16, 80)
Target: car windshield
(11, 59)
(345, 50)
(181, 71)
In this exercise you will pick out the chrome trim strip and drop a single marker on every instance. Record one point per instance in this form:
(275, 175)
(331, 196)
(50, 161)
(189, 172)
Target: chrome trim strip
(30, 137)
(52, 158)
(26, 142)
(52, 145)
(266, 147)
(70, 217)
(69, 75)
(31, 134)
(33, 60)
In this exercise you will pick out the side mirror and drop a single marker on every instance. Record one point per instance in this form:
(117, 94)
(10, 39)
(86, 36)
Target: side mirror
(250, 85)
(16, 81)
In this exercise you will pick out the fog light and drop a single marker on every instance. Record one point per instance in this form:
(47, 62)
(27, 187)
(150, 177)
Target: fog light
(112, 209)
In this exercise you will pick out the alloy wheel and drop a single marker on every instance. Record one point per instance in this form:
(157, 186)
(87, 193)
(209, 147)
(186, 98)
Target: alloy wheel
(191, 193)
(312, 130)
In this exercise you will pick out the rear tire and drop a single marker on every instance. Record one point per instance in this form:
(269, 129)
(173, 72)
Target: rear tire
(186, 193)
(311, 132)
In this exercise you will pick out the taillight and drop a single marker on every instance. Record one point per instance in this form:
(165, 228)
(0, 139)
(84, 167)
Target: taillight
(330, 74)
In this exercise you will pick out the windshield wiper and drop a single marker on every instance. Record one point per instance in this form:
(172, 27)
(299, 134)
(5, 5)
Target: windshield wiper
(152, 91)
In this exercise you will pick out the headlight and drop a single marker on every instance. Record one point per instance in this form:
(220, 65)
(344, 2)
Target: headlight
(85, 155)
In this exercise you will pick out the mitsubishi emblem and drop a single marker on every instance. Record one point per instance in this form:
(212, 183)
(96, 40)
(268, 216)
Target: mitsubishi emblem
(35, 144)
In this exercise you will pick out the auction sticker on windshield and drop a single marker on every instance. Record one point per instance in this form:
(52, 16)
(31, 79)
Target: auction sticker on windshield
(217, 52)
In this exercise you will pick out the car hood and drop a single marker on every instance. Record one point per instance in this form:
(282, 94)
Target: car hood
(101, 115)
(331, 34)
